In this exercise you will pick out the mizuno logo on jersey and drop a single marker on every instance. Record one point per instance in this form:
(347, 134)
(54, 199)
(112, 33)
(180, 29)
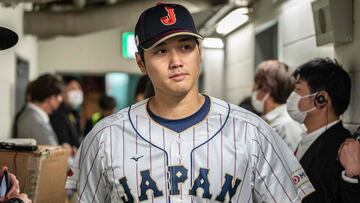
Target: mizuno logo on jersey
(177, 175)
(137, 158)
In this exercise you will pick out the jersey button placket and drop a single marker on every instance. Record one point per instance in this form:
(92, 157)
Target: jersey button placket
(179, 142)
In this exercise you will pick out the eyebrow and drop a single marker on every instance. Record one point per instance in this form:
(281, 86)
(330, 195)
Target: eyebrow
(183, 39)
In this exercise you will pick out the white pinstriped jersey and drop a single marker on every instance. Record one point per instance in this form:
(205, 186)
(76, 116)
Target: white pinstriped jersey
(231, 155)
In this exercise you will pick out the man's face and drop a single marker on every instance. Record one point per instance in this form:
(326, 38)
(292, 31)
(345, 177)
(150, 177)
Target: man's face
(72, 85)
(303, 89)
(54, 102)
(173, 66)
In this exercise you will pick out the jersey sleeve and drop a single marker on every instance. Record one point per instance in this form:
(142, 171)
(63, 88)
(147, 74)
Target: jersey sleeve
(277, 175)
(87, 174)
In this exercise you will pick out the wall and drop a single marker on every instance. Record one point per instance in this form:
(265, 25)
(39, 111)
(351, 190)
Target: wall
(240, 59)
(26, 48)
(348, 55)
(92, 53)
(212, 68)
(296, 45)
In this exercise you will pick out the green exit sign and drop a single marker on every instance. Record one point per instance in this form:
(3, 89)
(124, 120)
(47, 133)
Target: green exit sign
(128, 45)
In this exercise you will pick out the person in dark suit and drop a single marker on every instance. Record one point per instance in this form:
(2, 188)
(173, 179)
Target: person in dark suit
(65, 120)
(321, 95)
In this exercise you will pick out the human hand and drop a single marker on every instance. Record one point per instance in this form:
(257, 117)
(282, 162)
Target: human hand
(22, 197)
(349, 155)
(14, 185)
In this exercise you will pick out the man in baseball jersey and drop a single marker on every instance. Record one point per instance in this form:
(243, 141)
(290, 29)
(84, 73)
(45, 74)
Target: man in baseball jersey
(180, 145)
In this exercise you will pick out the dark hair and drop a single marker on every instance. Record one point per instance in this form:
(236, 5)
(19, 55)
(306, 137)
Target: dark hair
(107, 102)
(69, 79)
(142, 84)
(324, 74)
(46, 86)
(274, 77)
(149, 92)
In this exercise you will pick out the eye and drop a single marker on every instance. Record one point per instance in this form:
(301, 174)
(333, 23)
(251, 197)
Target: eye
(160, 52)
(187, 47)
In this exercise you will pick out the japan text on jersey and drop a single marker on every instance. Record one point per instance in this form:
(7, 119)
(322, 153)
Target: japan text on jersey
(230, 156)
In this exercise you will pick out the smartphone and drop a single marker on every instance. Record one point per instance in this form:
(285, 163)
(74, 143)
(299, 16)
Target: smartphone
(4, 186)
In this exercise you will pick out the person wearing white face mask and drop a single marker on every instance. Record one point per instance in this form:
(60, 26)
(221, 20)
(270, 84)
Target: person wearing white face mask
(321, 95)
(273, 84)
(65, 120)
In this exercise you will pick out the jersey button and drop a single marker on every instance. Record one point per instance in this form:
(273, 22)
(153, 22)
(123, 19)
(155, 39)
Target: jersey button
(179, 140)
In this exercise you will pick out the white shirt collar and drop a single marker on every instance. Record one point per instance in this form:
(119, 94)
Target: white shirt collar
(273, 114)
(41, 112)
(309, 139)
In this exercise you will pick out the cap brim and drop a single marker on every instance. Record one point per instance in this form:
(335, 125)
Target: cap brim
(173, 35)
(8, 38)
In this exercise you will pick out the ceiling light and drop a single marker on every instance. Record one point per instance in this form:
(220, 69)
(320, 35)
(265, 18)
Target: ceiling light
(215, 43)
(232, 21)
(240, 2)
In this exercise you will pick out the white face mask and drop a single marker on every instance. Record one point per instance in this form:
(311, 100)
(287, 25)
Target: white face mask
(258, 105)
(75, 98)
(292, 104)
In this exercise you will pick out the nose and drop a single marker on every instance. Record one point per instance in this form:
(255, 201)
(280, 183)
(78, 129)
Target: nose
(175, 60)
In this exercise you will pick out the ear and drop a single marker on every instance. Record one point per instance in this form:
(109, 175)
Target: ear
(140, 63)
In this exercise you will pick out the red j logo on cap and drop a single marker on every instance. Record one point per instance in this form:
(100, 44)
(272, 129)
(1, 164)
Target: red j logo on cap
(170, 19)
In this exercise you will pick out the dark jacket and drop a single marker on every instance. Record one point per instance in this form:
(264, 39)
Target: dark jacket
(324, 170)
(66, 125)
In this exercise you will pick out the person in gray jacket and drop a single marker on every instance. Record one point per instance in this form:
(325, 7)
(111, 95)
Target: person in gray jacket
(46, 96)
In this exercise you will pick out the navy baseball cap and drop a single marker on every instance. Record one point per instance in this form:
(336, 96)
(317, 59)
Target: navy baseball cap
(161, 22)
(8, 38)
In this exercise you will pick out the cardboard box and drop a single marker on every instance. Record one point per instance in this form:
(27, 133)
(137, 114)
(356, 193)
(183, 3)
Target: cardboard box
(41, 173)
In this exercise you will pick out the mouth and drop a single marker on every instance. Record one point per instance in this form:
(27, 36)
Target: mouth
(178, 76)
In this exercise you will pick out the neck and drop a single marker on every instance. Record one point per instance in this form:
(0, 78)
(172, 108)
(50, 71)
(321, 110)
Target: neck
(170, 107)
(270, 105)
(42, 106)
(315, 120)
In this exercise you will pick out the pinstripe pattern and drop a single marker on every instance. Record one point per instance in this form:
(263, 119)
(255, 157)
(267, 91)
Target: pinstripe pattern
(229, 142)
(165, 165)
(222, 153)
(123, 148)
(137, 166)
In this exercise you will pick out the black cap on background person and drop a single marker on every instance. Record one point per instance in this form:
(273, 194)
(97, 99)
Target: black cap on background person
(8, 38)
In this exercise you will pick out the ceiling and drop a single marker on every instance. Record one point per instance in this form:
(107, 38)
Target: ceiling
(50, 18)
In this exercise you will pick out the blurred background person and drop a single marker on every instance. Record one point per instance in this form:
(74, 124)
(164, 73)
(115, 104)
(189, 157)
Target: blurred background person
(107, 106)
(65, 120)
(247, 104)
(46, 96)
(27, 99)
(144, 88)
(272, 86)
